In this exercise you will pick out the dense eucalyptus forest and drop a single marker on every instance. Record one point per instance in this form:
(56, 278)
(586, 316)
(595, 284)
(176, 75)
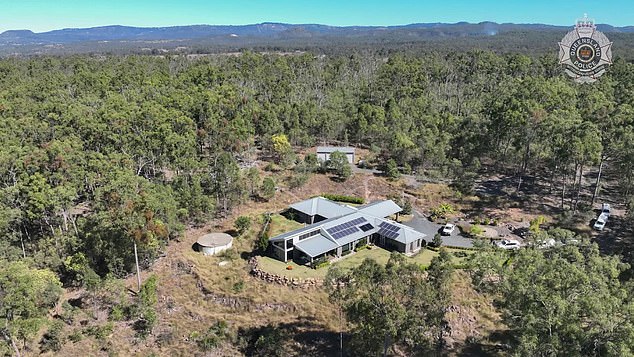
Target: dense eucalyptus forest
(100, 152)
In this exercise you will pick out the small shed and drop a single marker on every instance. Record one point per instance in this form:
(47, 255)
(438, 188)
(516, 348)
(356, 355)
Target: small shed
(214, 243)
(323, 152)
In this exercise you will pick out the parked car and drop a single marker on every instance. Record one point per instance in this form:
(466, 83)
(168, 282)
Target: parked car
(547, 243)
(599, 224)
(508, 244)
(605, 209)
(448, 228)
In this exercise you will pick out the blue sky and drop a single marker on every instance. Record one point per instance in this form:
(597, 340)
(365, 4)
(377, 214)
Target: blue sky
(45, 15)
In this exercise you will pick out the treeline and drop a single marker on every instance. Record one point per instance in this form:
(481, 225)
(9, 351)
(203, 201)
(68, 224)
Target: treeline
(100, 152)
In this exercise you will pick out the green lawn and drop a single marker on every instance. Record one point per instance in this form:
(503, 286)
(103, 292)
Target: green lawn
(380, 255)
(279, 225)
(274, 266)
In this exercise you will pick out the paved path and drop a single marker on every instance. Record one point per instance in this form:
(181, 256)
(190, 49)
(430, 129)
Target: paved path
(423, 225)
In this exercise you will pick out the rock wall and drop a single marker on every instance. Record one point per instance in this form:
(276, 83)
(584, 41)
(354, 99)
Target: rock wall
(282, 280)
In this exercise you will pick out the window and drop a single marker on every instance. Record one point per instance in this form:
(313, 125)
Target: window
(289, 244)
(309, 234)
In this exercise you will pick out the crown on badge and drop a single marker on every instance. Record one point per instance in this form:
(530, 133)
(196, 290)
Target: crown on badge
(585, 22)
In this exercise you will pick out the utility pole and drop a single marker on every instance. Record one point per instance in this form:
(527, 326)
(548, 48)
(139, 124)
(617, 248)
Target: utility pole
(138, 272)
(340, 333)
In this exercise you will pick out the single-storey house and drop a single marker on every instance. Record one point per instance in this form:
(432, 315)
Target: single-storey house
(334, 229)
(323, 152)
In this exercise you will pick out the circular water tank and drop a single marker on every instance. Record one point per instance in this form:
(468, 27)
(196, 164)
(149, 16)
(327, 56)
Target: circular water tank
(214, 243)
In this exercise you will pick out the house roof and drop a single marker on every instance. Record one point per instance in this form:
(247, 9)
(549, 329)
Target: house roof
(380, 208)
(323, 207)
(316, 245)
(407, 235)
(343, 225)
(331, 149)
(353, 232)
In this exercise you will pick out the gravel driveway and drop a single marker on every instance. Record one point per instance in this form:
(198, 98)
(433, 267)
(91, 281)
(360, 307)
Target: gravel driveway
(423, 225)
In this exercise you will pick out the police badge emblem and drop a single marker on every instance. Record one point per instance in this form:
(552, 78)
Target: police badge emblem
(585, 52)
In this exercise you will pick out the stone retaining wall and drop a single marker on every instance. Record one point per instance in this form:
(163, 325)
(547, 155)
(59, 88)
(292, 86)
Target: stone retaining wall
(282, 280)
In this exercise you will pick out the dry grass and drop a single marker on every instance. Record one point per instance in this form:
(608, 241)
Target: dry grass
(473, 316)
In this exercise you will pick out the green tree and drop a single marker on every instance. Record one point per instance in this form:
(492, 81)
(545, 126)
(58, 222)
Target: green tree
(437, 241)
(268, 188)
(338, 164)
(391, 170)
(146, 307)
(281, 147)
(393, 305)
(242, 224)
(562, 301)
(27, 295)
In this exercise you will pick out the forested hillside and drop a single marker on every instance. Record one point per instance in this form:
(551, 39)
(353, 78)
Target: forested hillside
(98, 153)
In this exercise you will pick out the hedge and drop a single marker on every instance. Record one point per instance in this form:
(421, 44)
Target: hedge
(322, 264)
(361, 247)
(343, 198)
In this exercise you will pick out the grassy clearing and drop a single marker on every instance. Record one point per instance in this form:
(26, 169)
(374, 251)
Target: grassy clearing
(279, 225)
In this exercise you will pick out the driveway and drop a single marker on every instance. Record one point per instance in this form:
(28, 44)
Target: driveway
(423, 225)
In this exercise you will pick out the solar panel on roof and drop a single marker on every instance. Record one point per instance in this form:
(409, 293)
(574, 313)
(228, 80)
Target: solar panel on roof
(366, 227)
(388, 230)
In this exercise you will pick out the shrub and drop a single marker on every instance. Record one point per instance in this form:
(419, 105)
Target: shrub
(267, 191)
(216, 334)
(263, 240)
(391, 170)
(242, 224)
(117, 313)
(343, 198)
(229, 254)
(238, 286)
(361, 246)
(437, 242)
(459, 254)
(442, 211)
(321, 264)
(476, 230)
(298, 180)
(407, 207)
(53, 339)
(76, 336)
(99, 332)
(536, 223)
(271, 167)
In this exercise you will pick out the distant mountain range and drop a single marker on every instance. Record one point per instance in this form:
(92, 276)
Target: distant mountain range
(93, 39)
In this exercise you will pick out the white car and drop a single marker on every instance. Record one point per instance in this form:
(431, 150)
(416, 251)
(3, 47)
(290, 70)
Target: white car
(546, 243)
(448, 228)
(599, 224)
(508, 244)
(605, 209)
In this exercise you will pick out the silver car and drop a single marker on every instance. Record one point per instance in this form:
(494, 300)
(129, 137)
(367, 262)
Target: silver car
(508, 244)
(599, 224)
